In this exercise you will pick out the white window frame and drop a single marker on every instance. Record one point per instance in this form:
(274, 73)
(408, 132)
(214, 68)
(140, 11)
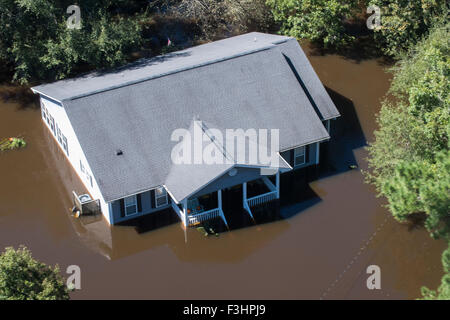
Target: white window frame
(58, 134)
(133, 203)
(299, 152)
(65, 144)
(160, 196)
(52, 125)
(44, 112)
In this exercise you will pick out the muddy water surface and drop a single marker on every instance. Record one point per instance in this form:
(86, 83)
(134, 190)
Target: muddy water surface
(321, 249)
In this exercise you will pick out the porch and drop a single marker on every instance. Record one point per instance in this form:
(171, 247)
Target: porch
(197, 210)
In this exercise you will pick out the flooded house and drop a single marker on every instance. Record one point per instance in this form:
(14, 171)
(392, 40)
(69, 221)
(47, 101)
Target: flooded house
(188, 129)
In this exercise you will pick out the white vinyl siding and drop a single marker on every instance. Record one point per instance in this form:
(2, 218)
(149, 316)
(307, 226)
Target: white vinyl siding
(70, 146)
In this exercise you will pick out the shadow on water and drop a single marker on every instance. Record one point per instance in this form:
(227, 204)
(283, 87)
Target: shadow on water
(337, 156)
(152, 222)
(362, 49)
(23, 97)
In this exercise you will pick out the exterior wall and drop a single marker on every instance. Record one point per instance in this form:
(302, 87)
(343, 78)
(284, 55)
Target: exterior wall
(288, 156)
(147, 207)
(75, 153)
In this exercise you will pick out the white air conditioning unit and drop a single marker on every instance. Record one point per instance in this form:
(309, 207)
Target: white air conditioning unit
(84, 198)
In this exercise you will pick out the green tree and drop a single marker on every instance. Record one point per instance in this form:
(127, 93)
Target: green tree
(318, 20)
(409, 157)
(443, 291)
(405, 22)
(36, 43)
(216, 18)
(421, 187)
(24, 278)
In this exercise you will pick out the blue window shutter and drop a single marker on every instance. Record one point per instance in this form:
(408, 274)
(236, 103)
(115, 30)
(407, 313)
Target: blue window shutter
(152, 198)
(139, 203)
(307, 153)
(122, 208)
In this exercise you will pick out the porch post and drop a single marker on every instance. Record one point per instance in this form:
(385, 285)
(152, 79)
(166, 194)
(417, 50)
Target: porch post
(244, 192)
(317, 152)
(219, 198)
(278, 183)
(185, 211)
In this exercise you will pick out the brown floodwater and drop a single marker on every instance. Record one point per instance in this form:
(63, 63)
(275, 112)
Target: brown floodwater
(320, 250)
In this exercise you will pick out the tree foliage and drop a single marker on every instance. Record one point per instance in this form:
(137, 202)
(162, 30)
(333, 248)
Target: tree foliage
(216, 18)
(443, 291)
(409, 157)
(318, 20)
(24, 278)
(405, 22)
(35, 40)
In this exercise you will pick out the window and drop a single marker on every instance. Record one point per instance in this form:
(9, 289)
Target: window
(52, 124)
(44, 112)
(58, 134)
(160, 197)
(64, 144)
(81, 167)
(299, 156)
(130, 205)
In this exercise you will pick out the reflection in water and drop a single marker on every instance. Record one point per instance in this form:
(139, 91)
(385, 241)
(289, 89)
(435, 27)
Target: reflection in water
(323, 244)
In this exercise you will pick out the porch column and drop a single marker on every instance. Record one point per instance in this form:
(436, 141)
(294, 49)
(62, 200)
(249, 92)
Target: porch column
(317, 152)
(219, 200)
(185, 211)
(244, 194)
(278, 183)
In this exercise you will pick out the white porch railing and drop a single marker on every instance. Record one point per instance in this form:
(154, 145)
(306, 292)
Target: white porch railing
(203, 216)
(262, 198)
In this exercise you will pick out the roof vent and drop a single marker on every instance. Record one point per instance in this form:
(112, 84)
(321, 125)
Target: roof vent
(119, 152)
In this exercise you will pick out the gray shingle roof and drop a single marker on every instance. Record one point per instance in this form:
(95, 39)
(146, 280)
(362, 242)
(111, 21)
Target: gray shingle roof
(229, 84)
(147, 69)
